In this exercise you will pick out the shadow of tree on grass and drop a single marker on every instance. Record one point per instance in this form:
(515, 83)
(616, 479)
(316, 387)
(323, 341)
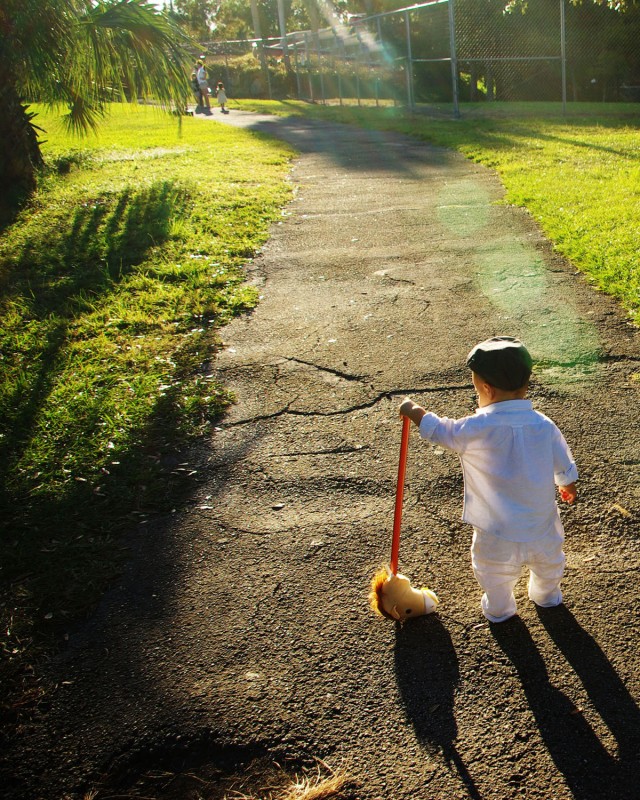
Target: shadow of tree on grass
(60, 549)
(101, 244)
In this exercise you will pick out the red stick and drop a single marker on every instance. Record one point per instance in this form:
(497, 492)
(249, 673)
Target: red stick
(397, 517)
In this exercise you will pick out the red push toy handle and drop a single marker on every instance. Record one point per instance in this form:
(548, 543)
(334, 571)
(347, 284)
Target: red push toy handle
(397, 518)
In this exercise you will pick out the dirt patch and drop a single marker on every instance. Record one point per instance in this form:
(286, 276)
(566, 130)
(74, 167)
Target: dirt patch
(206, 771)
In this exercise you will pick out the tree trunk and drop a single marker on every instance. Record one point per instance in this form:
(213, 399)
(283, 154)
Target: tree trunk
(315, 20)
(20, 155)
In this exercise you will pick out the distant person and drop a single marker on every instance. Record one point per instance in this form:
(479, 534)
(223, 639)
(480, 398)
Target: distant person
(197, 94)
(511, 457)
(222, 97)
(203, 84)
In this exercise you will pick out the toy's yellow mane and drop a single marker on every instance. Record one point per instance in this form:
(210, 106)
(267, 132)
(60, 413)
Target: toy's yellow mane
(375, 594)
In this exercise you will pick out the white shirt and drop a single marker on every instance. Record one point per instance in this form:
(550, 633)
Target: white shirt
(511, 457)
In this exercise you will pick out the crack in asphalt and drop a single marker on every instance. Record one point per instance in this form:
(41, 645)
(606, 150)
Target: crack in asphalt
(339, 373)
(622, 358)
(323, 452)
(399, 280)
(389, 394)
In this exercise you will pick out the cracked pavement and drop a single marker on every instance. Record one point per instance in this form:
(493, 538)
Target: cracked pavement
(241, 630)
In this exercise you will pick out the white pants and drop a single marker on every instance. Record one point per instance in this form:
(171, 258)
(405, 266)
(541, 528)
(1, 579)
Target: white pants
(497, 565)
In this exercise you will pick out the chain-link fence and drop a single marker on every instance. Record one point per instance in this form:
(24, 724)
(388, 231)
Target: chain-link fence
(449, 52)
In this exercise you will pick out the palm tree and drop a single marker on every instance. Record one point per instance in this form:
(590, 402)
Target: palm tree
(80, 55)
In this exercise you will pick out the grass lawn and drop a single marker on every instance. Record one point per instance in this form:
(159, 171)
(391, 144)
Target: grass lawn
(113, 283)
(579, 177)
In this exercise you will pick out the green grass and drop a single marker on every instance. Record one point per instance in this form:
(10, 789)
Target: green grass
(579, 177)
(113, 283)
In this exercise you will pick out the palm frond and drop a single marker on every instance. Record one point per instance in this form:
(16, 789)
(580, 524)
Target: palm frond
(80, 54)
(150, 49)
(84, 54)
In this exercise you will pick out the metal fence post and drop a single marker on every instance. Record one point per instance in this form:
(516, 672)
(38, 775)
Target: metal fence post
(295, 61)
(266, 66)
(563, 56)
(410, 96)
(454, 59)
(320, 70)
(308, 65)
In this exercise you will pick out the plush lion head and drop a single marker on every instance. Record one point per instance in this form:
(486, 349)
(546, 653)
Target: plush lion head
(393, 597)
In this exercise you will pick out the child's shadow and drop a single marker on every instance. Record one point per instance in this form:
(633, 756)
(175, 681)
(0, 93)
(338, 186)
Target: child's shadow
(610, 697)
(589, 769)
(427, 673)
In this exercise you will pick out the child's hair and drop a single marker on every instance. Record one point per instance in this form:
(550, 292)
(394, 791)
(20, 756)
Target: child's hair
(503, 362)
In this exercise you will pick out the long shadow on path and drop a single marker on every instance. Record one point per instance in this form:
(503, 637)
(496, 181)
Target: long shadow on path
(589, 769)
(428, 674)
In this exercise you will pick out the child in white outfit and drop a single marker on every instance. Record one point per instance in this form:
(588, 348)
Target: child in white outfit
(222, 97)
(511, 457)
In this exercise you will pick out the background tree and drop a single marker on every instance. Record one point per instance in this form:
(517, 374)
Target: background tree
(198, 17)
(231, 19)
(78, 54)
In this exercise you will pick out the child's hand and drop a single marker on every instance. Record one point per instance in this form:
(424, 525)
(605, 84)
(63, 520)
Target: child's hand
(568, 493)
(412, 410)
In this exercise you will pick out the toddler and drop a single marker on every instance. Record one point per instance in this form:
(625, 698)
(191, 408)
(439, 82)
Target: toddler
(511, 457)
(222, 97)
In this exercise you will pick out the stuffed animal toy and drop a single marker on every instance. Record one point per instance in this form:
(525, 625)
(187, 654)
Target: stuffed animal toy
(393, 597)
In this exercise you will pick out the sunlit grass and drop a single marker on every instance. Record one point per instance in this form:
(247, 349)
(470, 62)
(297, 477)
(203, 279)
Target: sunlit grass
(113, 283)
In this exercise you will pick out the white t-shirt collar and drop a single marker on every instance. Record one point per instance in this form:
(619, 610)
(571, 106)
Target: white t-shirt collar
(505, 405)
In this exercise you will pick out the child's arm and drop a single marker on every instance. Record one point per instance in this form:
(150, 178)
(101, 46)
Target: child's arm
(412, 410)
(568, 493)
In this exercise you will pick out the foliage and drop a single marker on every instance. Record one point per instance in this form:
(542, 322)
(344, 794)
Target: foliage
(503, 56)
(113, 283)
(614, 5)
(232, 19)
(81, 55)
(198, 16)
(243, 76)
(600, 49)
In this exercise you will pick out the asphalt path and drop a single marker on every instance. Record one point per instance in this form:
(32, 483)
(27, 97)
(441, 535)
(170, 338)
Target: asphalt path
(240, 634)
